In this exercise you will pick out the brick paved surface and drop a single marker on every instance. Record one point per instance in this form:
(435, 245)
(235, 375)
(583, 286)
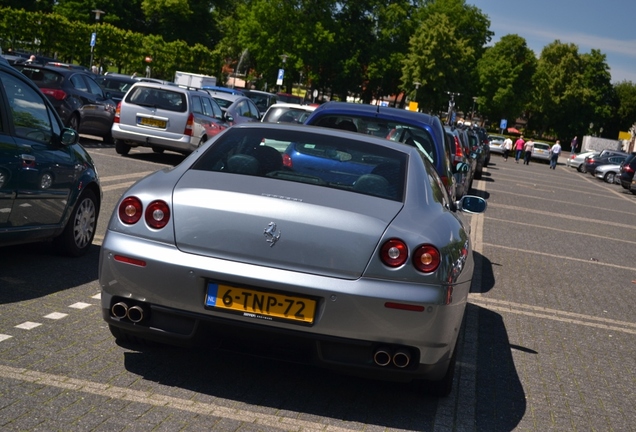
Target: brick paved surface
(548, 341)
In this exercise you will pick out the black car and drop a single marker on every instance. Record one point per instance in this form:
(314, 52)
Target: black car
(77, 98)
(484, 139)
(49, 188)
(115, 84)
(626, 174)
(592, 162)
(478, 151)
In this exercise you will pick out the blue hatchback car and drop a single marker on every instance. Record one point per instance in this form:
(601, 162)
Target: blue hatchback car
(420, 130)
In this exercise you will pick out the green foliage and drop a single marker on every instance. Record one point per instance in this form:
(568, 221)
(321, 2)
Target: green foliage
(370, 49)
(122, 50)
(505, 78)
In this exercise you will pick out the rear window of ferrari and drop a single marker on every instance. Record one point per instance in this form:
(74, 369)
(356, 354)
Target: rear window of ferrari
(306, 157)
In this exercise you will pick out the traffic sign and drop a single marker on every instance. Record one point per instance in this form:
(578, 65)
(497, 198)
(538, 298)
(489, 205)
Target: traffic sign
(281, 73)
(93, 39)
(503, 124)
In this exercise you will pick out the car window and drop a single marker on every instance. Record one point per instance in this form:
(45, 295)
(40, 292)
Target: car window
(223, 103)
(254, 112)
(164, 99)
(393, 130)
(79, 83)
(30, 114)
(94, 88)
(208, 109)
(351, 165)
(196, 105)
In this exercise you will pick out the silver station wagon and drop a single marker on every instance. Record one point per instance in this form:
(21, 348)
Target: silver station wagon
(165, 117)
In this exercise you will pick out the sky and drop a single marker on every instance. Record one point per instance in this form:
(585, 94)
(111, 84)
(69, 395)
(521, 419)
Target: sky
(608, 26)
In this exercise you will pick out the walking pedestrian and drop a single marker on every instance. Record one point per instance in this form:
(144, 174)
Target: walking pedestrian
(555, 150)
(574, 145)
(507, 145)
(527, 148)
(519, 148)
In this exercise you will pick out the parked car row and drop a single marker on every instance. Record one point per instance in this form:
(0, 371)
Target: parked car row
(611, 166)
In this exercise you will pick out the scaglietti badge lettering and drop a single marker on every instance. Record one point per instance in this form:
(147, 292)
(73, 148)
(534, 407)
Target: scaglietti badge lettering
(271, 234)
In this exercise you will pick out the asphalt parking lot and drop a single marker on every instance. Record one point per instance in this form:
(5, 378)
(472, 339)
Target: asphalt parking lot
(549, 340)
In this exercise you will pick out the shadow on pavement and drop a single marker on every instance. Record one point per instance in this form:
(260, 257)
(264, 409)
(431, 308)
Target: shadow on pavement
(37, 270)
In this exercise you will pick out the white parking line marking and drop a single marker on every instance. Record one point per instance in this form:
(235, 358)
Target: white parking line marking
(4, 337)
(28, 325)
(97, 296)
(80, 305)
(150, 398)
(56, 315)
(560, 257)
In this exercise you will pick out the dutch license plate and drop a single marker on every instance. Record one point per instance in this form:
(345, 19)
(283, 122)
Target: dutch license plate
(260, 304)
(145, 121)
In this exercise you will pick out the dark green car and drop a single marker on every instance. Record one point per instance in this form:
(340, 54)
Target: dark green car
(49, 188)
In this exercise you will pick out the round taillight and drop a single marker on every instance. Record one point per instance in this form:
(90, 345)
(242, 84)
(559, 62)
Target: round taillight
(157, 214)
(394, 253)
(287, 161)
(426, 258)
(130, 210)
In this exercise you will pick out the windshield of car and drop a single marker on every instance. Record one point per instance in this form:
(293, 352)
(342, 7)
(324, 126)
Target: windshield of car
(157, 98)
(317, 159)
(390, 129)
(117, 84)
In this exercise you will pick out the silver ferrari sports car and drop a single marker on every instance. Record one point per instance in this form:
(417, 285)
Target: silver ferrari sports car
(343, 249)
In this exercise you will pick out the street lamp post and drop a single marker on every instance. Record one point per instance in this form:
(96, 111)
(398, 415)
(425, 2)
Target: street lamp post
(472, 112)
(98, 13)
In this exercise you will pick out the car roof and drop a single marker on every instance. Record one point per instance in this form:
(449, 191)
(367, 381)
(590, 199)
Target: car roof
(293, 105)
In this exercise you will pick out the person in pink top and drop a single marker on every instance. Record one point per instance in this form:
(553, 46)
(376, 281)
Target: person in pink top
(519, 144)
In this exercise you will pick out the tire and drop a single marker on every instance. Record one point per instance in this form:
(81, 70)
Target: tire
(158, 150)
(77, 237)
(610, 177)
(121, 147)
(578, 168)
(583, 169)
(74, 122)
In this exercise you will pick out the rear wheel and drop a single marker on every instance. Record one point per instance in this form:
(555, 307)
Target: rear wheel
(610, 177)
(158, 150)
(78, 234)
(121, 147)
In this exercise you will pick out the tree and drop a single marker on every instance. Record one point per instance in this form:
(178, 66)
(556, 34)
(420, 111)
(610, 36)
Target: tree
(626, 110)
(505, 78)
(570, 91)
(437, 59)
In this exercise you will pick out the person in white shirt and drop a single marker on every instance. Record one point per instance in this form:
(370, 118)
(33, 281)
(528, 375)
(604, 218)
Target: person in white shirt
(507, 145)
(528, 147)
(555, 150)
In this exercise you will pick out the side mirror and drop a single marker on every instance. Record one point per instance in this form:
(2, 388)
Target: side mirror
(461, 168)
(69, 136)
(472, 204)
(228, 118)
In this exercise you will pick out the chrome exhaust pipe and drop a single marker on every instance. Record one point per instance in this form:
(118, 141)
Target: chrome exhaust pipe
(401, 359)
(135, 314)
(119, 310)
(382, 357)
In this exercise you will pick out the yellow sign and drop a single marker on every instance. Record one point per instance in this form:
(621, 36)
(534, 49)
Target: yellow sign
(624, 136)
(412, 106)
